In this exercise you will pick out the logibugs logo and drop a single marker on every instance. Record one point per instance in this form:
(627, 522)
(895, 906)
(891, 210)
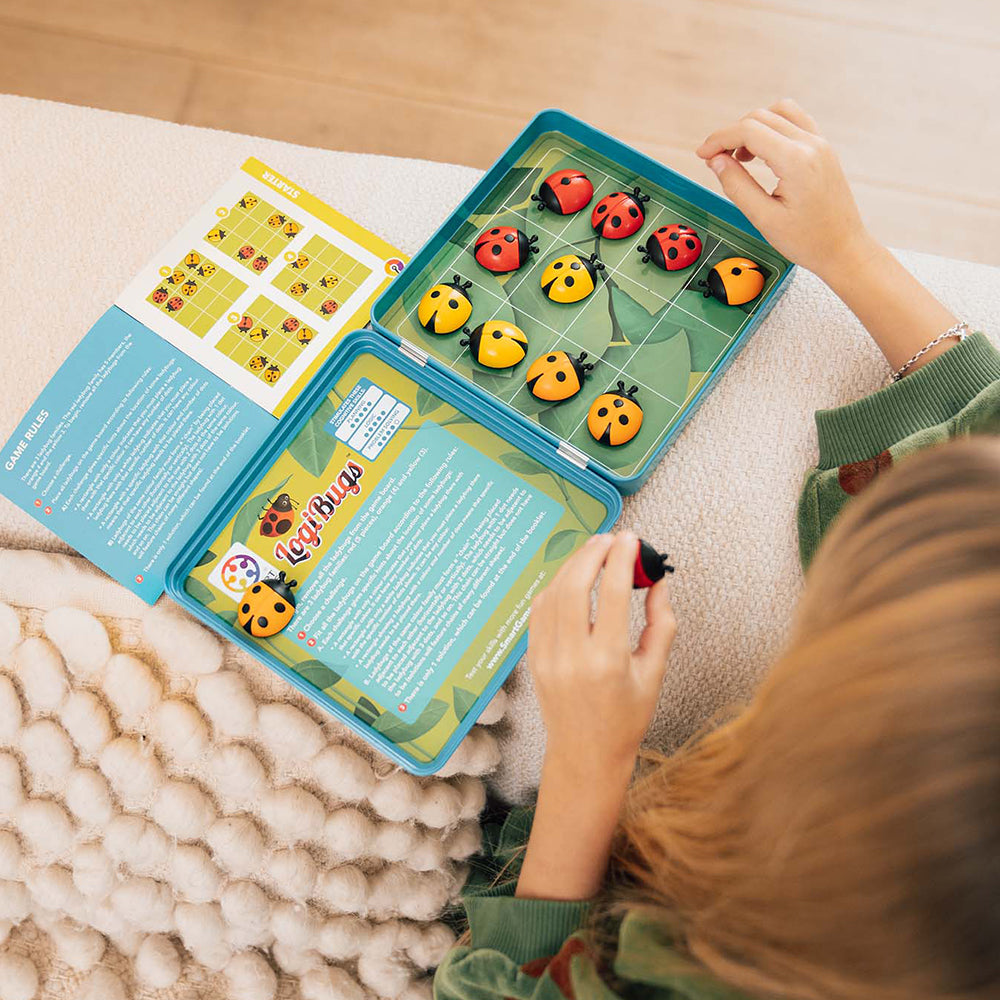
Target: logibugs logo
(239, 568)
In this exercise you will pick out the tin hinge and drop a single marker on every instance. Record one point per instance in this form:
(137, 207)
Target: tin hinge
(572, 454)
(413, 352)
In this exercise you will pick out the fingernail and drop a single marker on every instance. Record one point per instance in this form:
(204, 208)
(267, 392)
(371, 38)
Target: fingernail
(718, 163)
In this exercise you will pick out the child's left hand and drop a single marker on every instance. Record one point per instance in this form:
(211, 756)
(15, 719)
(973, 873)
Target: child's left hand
(596, 693)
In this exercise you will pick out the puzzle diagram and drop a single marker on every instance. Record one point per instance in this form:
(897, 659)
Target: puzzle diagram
(265, 339)
(196, 293)
(321, 276)
(253, 232)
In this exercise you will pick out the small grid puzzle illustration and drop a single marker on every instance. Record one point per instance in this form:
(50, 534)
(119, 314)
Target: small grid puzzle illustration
(266, 339)
(321, 276)
(196, 293)
(253, 232)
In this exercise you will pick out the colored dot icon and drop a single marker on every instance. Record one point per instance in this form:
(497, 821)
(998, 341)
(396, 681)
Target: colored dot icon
(48, 510)
(401, 706)
(301, 635)
(38, 503)
(139, 578)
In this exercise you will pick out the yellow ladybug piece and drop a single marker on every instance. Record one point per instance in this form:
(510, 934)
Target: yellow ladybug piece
(189, 288)
(257, 363)
(249, 201)
(615, 416)
(267, 607)
(446, 307)
(291, 229)
(193, 259)
(258, 334)
(216, 235)
(300, 262)
(305, 335)
(207, 269)
(557, 375)
(298, 288)
(275, 221)
(571, 277)
(177, 278)
(496, 344)
(272, 374)
(329, 280)
(734, 281)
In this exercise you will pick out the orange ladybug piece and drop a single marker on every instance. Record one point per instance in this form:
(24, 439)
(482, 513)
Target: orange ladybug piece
(734, 281)
(619, 214)
(557, 375)
(615, 416)
(503, 249)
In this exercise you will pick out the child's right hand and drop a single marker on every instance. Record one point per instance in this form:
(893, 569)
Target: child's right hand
(811, 216)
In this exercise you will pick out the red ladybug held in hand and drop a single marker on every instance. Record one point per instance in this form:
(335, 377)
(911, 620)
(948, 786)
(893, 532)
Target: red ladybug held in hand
(619, 214)
(650, 566)
(564, 192)
(503, 249)
(672, 247)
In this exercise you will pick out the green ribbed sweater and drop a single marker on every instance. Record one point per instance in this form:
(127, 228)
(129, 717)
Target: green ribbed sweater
(523, 948)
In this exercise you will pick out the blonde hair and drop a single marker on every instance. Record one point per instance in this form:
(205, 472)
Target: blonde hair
(840, 837)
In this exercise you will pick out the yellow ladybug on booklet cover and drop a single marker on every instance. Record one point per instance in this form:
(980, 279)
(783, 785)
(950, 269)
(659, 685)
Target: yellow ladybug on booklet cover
(615, 416)
(557, 375)
(734, 281)
(496, 344)
(571, 277)
(446, 307)
(267, 607)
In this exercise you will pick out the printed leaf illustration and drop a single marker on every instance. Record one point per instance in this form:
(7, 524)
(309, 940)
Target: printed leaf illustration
(246, 518)
(317, 673)
(562, 543)
(367, 711)
(522, 464)
(198, 590)
(395, 729)
(228, 615)
(633, 319)
(426, 401)
(314, 446)
(463, 701)
(205, 559)
(706, 344)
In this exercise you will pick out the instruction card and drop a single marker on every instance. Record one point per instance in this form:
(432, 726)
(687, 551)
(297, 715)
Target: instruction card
(154, 414)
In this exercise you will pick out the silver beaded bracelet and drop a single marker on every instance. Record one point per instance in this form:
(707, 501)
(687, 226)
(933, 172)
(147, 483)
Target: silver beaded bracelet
(959, 330)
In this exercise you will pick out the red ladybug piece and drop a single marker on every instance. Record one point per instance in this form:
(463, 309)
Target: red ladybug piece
(672, 247)
(650, 566)
(503, 249)
(564, 192)
(619, 214)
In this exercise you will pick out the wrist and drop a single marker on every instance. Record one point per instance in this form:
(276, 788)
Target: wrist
(853, 260)
(572, 764)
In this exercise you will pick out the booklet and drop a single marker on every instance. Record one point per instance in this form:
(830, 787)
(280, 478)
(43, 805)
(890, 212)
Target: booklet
(147, 423)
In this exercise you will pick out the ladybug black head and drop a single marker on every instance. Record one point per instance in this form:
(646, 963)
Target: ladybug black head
(282, 587)
(532, 240)
(580, 364)
(638, 196)
(625, 393)
(596, 263)
(467, 339)
(457, 282)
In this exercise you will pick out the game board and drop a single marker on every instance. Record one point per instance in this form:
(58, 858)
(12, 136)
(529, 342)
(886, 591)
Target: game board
(253, 232)
(196, 292)
(651, 328)
(321, 276)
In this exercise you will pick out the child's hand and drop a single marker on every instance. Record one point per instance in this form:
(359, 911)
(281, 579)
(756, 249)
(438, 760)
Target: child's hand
(810, 216)
(597, 695)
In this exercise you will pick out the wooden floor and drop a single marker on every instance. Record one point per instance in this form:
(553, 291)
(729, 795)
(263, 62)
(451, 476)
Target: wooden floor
(907, 89)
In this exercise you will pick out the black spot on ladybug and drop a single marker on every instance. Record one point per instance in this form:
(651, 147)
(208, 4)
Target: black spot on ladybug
(618, 403)
(493, 232)
(633, 211)
(245, 608)
(256, 590)
(662, 229)
(575, 266)
(603, 411)
(565, 180)
(615, 221)
(737, 270)
(435, 294)
(453, 303)
(690, 244)
(551, 357)
(496, 249)
(557, 265)
(283, 526)
(602, 208)
(623, 419)
(279, 607)
(615, 194)
(672, 253)
(672, 236)
(560, 376)
(569, 281)
(497, 335)
(509, 238)
(262, 621)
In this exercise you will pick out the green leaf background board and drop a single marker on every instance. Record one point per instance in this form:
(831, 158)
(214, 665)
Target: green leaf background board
(641, 325)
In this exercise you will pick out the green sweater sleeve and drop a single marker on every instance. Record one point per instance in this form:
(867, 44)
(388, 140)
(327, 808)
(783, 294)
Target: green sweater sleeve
(957, 393)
